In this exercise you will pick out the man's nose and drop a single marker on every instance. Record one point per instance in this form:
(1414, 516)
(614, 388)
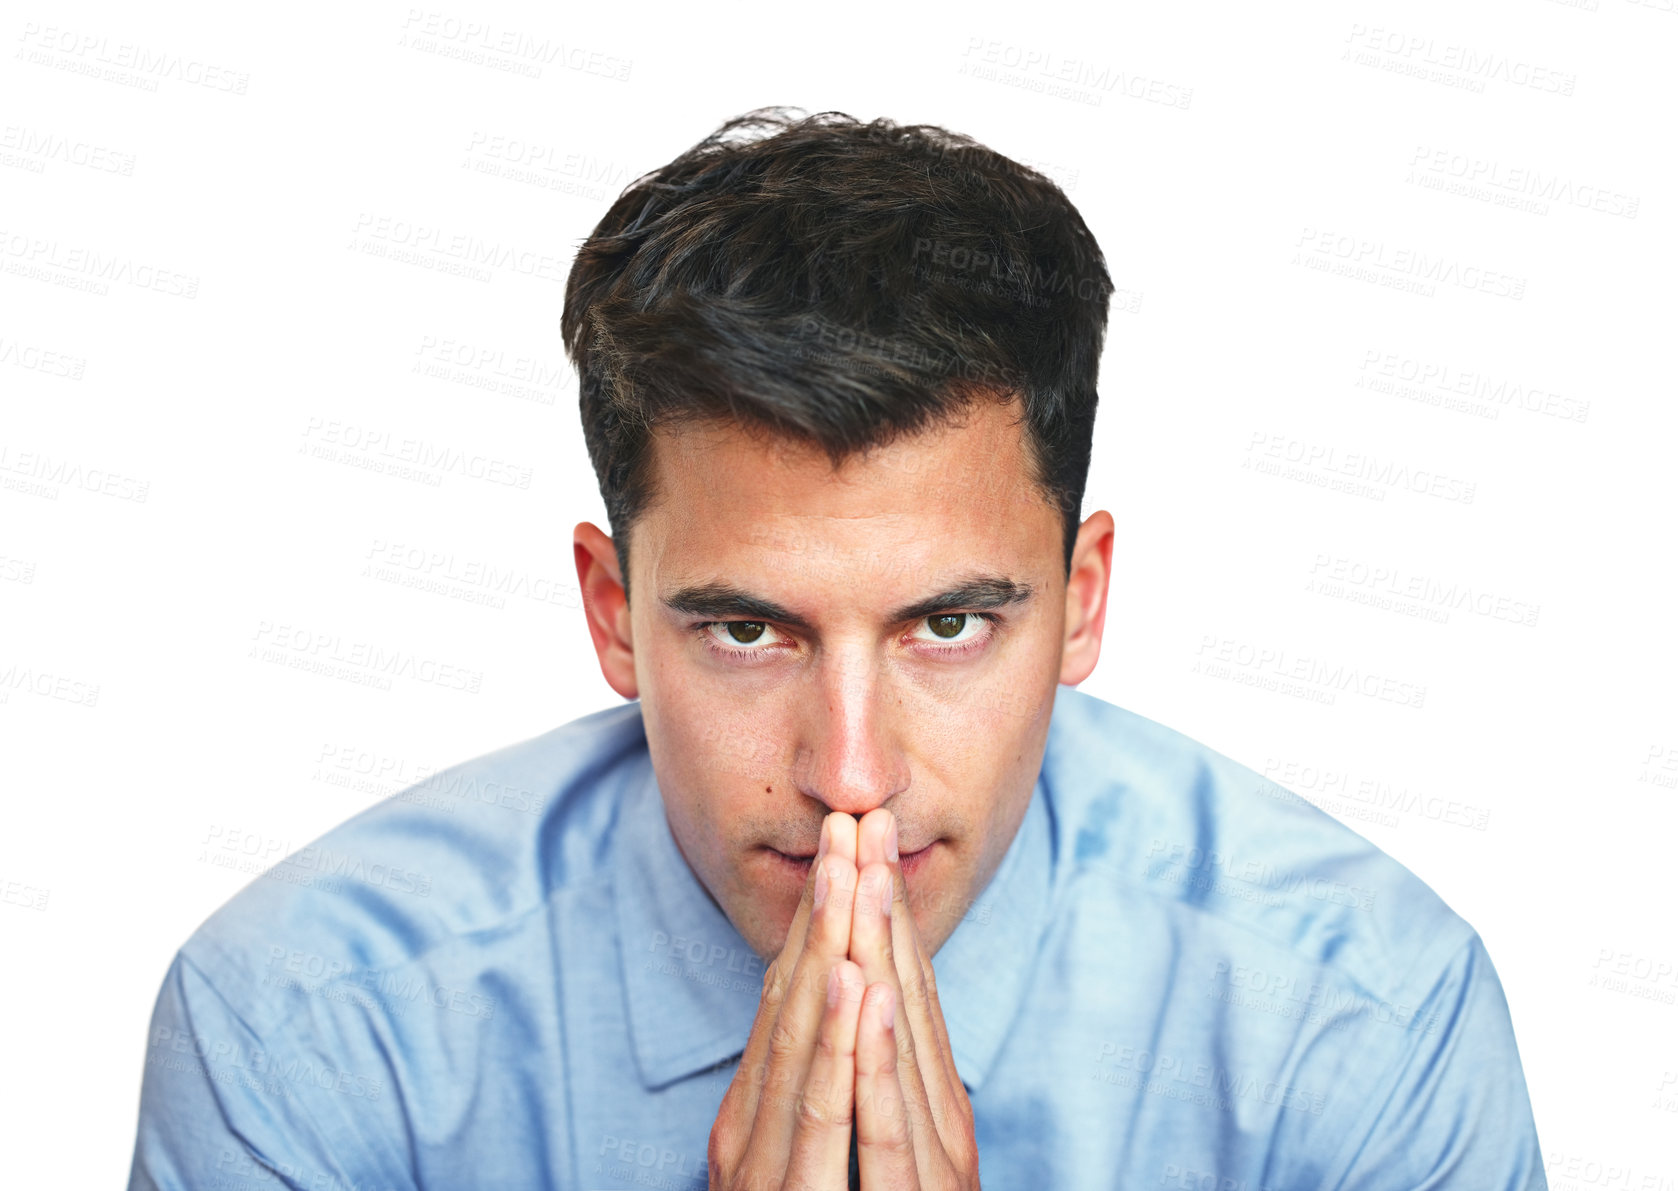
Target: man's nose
(849, 759)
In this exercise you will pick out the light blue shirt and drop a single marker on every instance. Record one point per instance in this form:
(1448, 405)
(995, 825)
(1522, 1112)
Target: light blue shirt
(1181, 976)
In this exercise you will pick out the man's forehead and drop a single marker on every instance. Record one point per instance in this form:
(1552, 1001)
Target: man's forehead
(981, 450)
(900, 526)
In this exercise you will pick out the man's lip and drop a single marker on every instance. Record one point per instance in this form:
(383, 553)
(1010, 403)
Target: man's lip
(807, 857)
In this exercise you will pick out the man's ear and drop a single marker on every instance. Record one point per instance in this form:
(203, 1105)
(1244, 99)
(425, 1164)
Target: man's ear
(1086, 597)
(606, 607)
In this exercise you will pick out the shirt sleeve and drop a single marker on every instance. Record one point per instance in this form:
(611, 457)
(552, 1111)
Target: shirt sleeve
(1453, 1113)
(219, 1108)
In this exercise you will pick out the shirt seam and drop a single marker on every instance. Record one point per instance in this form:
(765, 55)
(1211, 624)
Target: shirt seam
(231, 963)
(1082, 868)
(332, 1137)
(1359, 1136)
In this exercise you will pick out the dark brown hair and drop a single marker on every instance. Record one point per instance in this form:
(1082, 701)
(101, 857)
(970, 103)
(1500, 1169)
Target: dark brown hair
(839, 283)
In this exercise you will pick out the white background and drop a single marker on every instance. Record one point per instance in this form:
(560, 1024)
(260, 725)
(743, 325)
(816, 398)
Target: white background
(189, 501)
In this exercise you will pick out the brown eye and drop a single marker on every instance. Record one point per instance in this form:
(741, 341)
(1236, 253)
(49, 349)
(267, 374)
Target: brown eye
(947, 625)
(745, 631)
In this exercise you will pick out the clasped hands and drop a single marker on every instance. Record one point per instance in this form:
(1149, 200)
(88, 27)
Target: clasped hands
(849, 1029)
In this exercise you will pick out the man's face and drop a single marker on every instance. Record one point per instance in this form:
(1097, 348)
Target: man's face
(855, 680)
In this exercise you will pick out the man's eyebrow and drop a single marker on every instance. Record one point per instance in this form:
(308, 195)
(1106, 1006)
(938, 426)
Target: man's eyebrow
(725, 601)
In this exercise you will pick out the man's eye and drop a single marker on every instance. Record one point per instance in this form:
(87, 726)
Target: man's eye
(953, 633)
(951, 628)
(727, 636)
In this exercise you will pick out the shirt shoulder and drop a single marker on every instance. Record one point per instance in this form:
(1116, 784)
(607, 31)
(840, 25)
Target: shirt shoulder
(1155, 815)
(476, 848)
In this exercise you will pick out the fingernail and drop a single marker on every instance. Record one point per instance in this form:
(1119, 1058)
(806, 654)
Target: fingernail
(885, 1004)
(821, 883)
(821, 848)
(891, 840)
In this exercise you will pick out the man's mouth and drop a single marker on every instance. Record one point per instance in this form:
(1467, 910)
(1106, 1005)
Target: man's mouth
(798, 867)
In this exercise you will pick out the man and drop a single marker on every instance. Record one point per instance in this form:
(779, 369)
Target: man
(859, 889)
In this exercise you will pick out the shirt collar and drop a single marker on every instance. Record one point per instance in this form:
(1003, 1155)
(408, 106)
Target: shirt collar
(692, 983)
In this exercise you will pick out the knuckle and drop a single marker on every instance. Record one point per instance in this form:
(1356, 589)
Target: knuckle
(896, 1138)
(917, 986)
(816, 1111)
(826, 1047)
(882, 1065)
(718, 1151)
(783, 1041)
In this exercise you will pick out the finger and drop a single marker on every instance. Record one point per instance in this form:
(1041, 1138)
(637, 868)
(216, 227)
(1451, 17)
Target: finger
(838, 835)
(792, 1040)
(872, 949)
(821, 1141)
(935, 1009)
(886, 1153)
(944, 1091)
(935, 1068)
(834, 834)
(739, 1104)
